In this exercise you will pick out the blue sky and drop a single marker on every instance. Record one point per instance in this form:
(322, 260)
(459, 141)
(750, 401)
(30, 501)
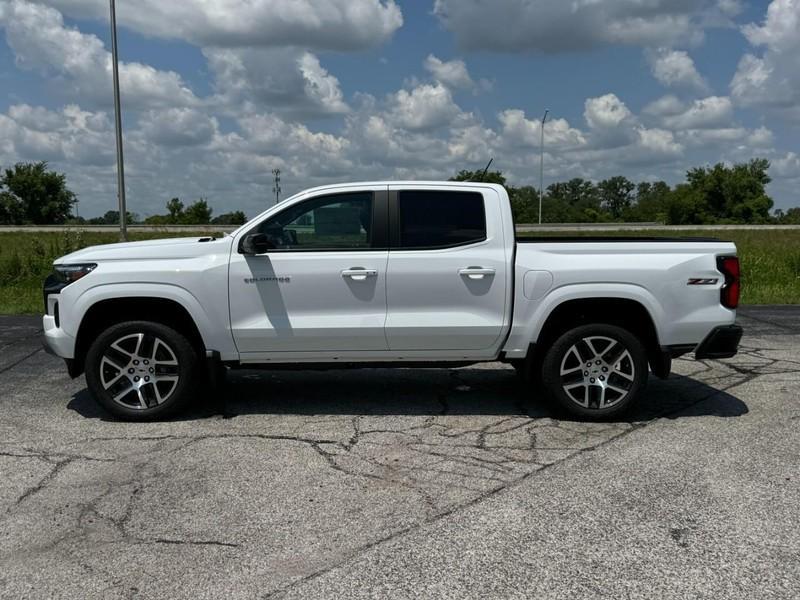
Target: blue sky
(217, 93)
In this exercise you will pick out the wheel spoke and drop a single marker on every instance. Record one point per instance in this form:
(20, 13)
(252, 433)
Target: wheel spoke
(142, 401)
(123, 393)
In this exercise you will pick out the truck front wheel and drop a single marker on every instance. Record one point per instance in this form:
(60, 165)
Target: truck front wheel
(140, 370)
(595, 371)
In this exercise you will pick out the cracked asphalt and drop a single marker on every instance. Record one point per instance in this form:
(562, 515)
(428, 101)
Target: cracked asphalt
(406, 483)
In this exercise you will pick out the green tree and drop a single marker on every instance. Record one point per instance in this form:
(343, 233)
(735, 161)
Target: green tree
(198, 213)
(236, 217)
(33, 194)
(490, 177)
(650, 202)
(11, 212)
(616, 195)
(175, 209)
(790, 217)
(734, 194)
(111, 217)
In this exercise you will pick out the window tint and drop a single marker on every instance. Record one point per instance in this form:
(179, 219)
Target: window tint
(439, 219)
(330, 222)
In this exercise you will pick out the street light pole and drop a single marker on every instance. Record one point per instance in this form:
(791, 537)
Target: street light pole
(541, 167)
(123, 228)
(276, 173)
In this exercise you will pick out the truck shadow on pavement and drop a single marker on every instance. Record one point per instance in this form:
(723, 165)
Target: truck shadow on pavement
(424, 392)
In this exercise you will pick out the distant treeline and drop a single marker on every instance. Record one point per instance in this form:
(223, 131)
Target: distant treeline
(30, 193)
(710, 195)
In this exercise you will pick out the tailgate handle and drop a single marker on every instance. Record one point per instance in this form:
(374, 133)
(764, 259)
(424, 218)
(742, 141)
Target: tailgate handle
(476, 272)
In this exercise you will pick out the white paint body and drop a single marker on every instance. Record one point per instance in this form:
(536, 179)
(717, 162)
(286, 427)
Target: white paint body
(417, 306)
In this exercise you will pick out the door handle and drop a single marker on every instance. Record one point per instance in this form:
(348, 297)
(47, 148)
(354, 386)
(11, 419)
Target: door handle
(476, 272)
(359, 273)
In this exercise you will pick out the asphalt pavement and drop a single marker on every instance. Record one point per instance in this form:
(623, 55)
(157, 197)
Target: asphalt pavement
(406, 483)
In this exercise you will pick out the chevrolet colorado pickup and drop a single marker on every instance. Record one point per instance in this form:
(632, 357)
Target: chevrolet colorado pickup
(389, 274)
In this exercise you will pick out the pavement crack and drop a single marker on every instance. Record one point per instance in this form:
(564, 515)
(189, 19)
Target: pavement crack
(58, 466)
(20, 361)
(193, 542)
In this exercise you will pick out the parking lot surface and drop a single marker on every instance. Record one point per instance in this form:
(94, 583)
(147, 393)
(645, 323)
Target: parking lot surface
(406, 483)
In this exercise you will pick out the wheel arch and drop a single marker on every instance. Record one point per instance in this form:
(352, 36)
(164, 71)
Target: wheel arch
(628, 313)
(106, 312)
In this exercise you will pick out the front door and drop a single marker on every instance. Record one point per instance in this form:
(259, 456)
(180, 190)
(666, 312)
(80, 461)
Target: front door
(322, 284)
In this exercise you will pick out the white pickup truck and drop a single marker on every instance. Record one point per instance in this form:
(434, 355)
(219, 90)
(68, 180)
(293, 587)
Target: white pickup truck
(389, 274)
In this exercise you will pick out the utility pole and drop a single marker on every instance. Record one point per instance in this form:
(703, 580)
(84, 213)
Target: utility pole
(541, 167)
(276, 173)
(123, 214)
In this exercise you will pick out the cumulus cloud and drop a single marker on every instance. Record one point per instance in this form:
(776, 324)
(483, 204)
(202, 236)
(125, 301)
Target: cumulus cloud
(522, 132)
(707, 113)
(41, 41)
(71, 134)
(320, 24)
(771, 79)
(666, 105)
(675, 68)
(178, 127)
(286, 79)
(451, 73)
(541, 25)
(425, 107)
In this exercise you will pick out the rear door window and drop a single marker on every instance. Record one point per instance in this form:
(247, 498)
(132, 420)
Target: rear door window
(440, 219)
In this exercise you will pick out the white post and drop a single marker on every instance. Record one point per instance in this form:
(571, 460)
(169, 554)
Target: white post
(123, 228)
(541, 167)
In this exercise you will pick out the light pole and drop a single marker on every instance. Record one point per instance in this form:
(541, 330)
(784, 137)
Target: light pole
(276, 173)
(123, 228)
(541, 167)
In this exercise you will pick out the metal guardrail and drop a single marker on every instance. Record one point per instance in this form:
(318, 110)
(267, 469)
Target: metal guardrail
(520, 227)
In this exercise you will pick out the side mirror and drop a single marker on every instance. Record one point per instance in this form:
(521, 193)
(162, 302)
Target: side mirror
(255, 243)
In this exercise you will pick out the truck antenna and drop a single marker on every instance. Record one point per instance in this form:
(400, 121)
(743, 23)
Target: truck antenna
(483, 175)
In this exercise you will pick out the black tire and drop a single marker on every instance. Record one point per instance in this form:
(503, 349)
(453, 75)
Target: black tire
(610, 378)
(162, 354)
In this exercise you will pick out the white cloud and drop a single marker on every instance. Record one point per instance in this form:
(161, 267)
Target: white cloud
(675, 68)
(425, 107)
(41, 41)
(451, 73)
(787, 166)
(664, 106)
(521, 132)
(772, 80)
(707, 113)
(542, 25)
(71, 134)
(286, 79)
(605, 112)
(321, 24)
(178, 127)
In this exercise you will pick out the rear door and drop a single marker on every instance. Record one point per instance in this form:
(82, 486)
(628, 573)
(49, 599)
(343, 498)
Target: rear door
(447, 285)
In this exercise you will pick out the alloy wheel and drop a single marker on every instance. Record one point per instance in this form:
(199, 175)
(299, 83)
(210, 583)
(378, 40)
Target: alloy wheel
(597, 372)
(139, 371)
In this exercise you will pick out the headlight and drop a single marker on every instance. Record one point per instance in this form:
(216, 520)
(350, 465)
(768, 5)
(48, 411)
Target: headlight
(67, 274)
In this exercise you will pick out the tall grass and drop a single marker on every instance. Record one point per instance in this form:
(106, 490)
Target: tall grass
(770, 261)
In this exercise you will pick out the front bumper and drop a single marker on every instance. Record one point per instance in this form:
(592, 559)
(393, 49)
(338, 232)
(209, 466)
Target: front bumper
(722, 342)
(56, 341)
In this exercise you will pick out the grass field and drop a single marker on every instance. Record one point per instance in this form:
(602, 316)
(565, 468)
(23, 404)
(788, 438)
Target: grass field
(770, 261)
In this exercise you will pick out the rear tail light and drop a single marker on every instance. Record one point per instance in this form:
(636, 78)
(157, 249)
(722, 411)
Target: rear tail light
(729, 294)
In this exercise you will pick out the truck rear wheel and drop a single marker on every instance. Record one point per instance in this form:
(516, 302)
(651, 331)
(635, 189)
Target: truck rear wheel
(141, 371)
(595, 371)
